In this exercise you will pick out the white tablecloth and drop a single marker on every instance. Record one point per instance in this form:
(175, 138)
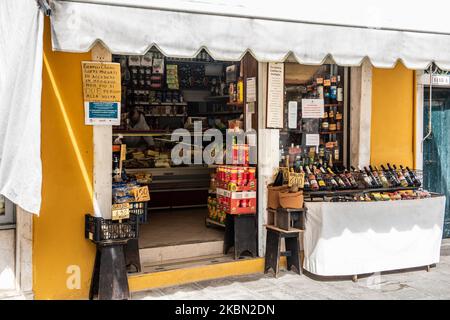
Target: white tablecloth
(350, 238)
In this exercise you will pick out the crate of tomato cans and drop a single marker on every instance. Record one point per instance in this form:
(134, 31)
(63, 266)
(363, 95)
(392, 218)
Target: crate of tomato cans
(236, 202)
(236, 178)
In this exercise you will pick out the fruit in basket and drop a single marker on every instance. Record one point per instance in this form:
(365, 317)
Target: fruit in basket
(385, 197)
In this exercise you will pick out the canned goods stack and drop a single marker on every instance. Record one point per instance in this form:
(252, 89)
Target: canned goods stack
(235, 178)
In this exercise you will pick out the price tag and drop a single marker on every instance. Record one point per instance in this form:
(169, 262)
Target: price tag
(142, 194)
(120, 211)
(296, 179)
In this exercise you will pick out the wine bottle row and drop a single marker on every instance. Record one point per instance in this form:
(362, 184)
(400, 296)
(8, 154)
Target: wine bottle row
(320, 178)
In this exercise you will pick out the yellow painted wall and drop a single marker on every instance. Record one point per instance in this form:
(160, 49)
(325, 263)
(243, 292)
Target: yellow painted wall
(67, 159)
(392, 135)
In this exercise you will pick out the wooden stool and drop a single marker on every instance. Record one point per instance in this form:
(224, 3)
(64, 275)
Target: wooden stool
(109, 278)
(240, 232)
(273, 249)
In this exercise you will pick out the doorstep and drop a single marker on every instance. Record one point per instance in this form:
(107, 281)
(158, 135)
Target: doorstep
(207, 268)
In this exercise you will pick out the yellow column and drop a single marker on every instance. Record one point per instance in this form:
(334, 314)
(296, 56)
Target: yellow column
(392, 128)
(59, 246)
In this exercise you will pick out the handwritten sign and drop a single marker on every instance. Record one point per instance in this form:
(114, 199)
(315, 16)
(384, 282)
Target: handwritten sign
(312, 108)
(102, 92)
(142, 194)
(296, 179)
(120, 211)
(275, 95)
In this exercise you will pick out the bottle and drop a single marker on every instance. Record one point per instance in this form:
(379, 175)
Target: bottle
(392, 181)
(351, 177)
(282, 156)
(321, 152)
(297, 163)
(345, 179)
(333, 183)
(338, 117)
(394, 174)
(407, 176)
(324, 126)
(336, 154)
(333, 90)
(338, 179)
(312, 179)
(375, 181)
(403, 182)
(332, 120)
(306, 185)
(376, 176)
(367, 180)
(339, 91)
(383, 180)
(414, 178)
(319, 88)
(326, 90)
(320, 180)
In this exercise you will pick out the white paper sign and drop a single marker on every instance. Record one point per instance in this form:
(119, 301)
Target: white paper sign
(251, 89)
(312, 139)
(312, 108)
(292, 114)
(275, 95)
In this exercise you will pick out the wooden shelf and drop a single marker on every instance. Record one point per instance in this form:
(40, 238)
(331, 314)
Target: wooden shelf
(217, 97)
(238, 104)
(331, 132)
(218, 113)
(165, 115)
(160, 104)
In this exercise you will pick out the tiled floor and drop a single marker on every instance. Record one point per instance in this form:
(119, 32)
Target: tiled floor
(409, 284)
(177, 226)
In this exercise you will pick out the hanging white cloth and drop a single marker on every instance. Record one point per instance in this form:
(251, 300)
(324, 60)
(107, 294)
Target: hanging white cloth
(351, 238)
(21, 36)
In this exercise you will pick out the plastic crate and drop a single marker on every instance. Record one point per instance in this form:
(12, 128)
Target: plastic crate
(140, 210)
(98, 229)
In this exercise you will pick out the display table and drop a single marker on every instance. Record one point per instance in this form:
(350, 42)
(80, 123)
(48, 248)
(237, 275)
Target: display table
(351, 238)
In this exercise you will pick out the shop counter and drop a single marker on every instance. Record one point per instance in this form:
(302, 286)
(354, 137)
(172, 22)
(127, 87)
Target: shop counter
(351, 238)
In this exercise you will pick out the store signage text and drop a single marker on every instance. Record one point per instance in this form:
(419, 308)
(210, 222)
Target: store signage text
(191, 149)
(101, 92)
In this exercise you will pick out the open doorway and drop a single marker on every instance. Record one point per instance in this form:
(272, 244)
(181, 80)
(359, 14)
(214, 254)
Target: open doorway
(160, 95)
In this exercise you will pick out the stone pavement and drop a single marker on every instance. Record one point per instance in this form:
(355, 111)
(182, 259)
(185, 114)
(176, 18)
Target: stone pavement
(407, 284)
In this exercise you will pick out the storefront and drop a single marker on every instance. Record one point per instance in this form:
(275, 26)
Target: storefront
(77, 177)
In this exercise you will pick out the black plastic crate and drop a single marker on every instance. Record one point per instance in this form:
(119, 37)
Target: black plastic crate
(99, 229)
(140, 210)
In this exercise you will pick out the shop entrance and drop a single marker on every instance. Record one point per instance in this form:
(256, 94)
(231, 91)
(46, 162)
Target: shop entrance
(160, 95)
(436, 148)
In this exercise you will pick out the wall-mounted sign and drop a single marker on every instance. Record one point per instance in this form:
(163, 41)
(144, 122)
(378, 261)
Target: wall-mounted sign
(292, 114)
(312, 139)
(312, 108)
(275, 95)
(437, 80)
(102, 92)
(251, 89)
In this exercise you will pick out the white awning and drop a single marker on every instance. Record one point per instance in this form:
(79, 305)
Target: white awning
(348, 31)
